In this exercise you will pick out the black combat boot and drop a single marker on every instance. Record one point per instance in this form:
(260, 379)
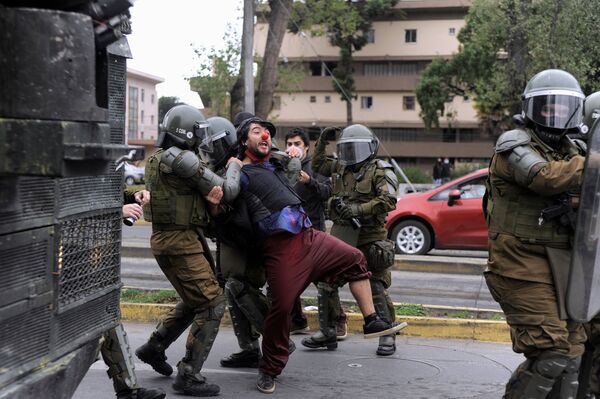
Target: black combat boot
(141, 393)
(265, 382)
(375, 327)
(320, 340)
(387, 345)
(153, 353)
(189, 384)
(246, 358)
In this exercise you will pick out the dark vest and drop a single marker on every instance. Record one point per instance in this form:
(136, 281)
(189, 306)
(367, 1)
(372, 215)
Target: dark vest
(267, 191)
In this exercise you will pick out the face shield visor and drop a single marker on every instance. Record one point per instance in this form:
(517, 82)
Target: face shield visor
(556, 109)
(222, 147)
(202, 137)
(355, 151)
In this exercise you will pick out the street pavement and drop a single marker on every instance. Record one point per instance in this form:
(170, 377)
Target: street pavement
(421, 368)
(447, 288)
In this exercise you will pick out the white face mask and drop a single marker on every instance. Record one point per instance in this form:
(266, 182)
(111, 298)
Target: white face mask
(446, 161)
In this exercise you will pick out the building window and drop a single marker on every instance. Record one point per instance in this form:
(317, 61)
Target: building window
(366, 102)
(408, 103)
(142, 117)
(132, 123)
(152, 119)
(410, 35)
(152, 99)
(142, 96)
(276, 102)
(452, 31)
(390, 68)
(142, 135)
(370, 36)
(318, 68)
(313, 99)
(327, 99)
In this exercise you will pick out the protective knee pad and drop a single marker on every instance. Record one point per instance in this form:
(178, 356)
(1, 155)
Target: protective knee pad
(382, 302)
(202, 334)
(245, 333)
(328, 299)
(535, 378)
(567, 384)
(117, 356)
(252, 302)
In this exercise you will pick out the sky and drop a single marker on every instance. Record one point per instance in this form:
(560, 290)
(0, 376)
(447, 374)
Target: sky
(165, 33)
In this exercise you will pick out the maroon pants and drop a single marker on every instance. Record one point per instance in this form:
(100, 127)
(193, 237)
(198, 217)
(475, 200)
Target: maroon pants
(292, 262)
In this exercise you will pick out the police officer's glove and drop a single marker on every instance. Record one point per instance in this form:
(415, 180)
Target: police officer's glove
(329, 133)
(349, 211)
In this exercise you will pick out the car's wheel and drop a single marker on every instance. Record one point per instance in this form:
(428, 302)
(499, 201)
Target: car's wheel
(411, 237)
(129, 181)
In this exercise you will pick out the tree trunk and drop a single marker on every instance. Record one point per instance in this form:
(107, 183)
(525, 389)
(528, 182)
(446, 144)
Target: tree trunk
(278, 21)
(517, 49)
(348, 112)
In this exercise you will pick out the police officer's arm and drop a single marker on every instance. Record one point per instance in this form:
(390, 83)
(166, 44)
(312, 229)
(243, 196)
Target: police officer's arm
(386, 186)
(320, 163)
(517, 161)
(320, 185)
(187, 165)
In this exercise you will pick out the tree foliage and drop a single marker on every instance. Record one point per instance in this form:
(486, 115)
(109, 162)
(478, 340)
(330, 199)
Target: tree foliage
(502, 45)
(345, 23)
(217, 73)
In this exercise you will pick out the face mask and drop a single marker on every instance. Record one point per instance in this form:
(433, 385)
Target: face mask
(446, 161)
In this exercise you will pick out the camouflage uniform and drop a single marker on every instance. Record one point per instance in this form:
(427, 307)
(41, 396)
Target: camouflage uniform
(526, 256)
(372, 186)
(178, 214)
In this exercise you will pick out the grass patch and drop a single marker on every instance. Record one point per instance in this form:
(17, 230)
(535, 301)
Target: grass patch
(409, 309)
(133, 295)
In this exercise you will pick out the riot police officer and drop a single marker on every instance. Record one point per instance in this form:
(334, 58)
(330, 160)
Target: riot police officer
(182, 188)
(535, 175)
(363, 192)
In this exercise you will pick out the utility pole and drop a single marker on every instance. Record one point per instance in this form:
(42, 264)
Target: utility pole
(248, 61)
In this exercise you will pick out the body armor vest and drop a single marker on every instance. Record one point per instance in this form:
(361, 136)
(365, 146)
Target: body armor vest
(517, 210)
(355, 188)
(174, 205)
(265, 194)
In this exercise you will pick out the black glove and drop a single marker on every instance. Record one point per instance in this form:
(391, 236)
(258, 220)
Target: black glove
(349, 211)
(329, 133)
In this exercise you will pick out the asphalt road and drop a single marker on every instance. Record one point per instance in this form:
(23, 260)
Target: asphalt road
(421, 368)
(439, 289)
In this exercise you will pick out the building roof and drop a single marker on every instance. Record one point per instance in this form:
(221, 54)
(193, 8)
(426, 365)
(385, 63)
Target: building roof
(144, 76)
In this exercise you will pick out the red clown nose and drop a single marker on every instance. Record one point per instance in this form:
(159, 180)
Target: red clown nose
(265, 136)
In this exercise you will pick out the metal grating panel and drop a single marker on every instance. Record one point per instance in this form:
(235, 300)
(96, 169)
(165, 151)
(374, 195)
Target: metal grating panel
(117, 74)
(89, 193)
(88, 320)
(22, 264)
(24, 338)
(88, 255)
(34, 207)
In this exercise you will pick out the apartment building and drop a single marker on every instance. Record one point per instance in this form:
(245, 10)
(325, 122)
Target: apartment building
(141, 111)
(387, 71)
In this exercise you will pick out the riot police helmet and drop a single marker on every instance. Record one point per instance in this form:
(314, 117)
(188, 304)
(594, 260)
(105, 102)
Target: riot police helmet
(591, 109)
(222, 141)
(356, 144)
(185, 127)
(553, 102)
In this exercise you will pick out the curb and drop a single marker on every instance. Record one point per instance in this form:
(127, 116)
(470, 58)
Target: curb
(430, 327)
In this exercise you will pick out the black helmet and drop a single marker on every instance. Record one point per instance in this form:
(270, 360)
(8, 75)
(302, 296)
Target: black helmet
(357, 143)
(222, 141)
(553, 101)
(591, 109)
(185, 127)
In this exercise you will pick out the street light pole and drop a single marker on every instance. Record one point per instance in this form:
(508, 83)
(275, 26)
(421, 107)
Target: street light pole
(248, 61)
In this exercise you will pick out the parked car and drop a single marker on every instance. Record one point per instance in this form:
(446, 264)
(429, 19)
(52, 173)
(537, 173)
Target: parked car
(447, 217)
(133, 174)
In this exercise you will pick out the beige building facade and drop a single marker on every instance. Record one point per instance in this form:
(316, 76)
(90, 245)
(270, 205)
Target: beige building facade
(387, 71)
(141, 111)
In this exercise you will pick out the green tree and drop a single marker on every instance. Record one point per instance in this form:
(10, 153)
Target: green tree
(165, 104)
(217, 73)
(503, 44)
(346, 24)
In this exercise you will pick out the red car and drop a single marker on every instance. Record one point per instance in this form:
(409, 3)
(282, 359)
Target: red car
(448, 217)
